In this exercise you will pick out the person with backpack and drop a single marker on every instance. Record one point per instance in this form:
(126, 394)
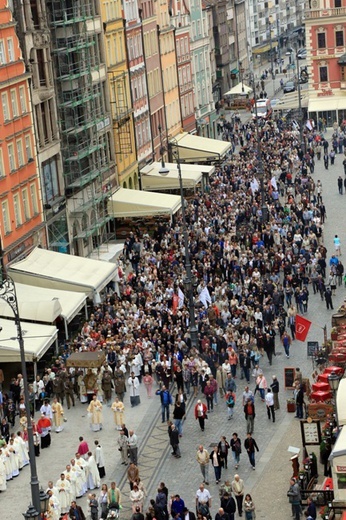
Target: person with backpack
(230, 402)
(235, 444)
(249, 411)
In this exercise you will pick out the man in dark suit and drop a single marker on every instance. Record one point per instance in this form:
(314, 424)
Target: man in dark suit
(221, 515)
(76, 512)
(188, 515)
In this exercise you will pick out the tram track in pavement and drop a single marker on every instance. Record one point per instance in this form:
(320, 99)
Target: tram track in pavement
(150, 458)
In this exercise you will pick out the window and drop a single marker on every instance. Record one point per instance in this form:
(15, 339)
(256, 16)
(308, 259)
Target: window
(28, 151)
(5, 108)
(50, 180)
(26, 205)
(10, 49)
(323, 74)
(2, 53)
(11, 157)
(20, 153)
(321, 40)
(6, 217)
(33, 195)
(13, 95)
(337, 3)
(2, 169)
(22, 100)
(339, 38)
(17, 211)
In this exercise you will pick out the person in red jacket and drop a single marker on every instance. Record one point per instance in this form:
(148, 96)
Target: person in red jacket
(201, 413)
(209, 394)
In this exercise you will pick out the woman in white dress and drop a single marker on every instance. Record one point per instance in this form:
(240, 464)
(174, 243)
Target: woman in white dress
(95, 414)
(118, 409)
(136, 497)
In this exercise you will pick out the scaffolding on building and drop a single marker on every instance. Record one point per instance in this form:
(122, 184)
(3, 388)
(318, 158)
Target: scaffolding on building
(84, 120)
(121, 111)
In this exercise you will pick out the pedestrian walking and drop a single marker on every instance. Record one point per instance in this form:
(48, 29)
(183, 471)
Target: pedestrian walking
(133, 383)
(174, 439)
(166, 401)
(202, 457)
(294, 498)
(328, 298)
(235, 444)
(230, 398)
(340, 184)
(216, 462)
(203, 501)
(275, 389)
(223, 449)
(249, 411)
(270, 404)
(238, 490)
(132, 443)
(286, 343)
(251, 445)
(201, 413)
(249, 507)
(337, 245)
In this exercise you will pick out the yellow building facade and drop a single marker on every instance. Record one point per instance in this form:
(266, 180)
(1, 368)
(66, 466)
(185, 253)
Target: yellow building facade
(120, 93)
(169, 69)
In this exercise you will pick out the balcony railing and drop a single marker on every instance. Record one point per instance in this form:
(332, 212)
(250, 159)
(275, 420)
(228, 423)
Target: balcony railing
(324, 13)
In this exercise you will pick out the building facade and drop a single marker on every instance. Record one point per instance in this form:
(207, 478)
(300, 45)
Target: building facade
(138, 81)
(201, 68)
(325, 26)
(34, 35)
(180, 18)
(22, 226)
(85, 121)
(120, 93)
(151, 45)
(169, 68)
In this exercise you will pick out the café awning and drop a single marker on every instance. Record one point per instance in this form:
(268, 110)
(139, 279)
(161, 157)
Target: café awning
(341, 402)
(325, 103)
(239, 90)
(199, 149)
(191, 174)
(37, 340)
(136, 203)
(54, 270)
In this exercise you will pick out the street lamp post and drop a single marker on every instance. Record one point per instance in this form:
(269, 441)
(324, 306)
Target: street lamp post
(8, 294)
(301, 134)
(264, 208)
(334, 380)
(188, 282)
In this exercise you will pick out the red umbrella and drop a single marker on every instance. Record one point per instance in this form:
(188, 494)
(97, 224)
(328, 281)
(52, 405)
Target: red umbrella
(323, 378)
(320, 396)
(321, 386)
(337, 370)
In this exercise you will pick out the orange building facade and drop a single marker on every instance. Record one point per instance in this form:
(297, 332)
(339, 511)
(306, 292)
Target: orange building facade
(21, 221)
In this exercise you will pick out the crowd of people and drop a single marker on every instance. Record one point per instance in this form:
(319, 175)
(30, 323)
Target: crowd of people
(255, 262)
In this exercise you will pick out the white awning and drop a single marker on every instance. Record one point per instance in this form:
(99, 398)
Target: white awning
(325, 103)
(240, 89)
(135, 203)
(191, 175)
(43, 304)
(341, 402)
(198, 149)
(53, 270)
(339, 449)
(37, 340)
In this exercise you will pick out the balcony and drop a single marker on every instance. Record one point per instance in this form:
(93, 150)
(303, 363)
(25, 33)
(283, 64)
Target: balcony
(311, 14)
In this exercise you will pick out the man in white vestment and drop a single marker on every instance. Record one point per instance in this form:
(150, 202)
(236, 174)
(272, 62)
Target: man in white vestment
(93, 477)
(64, 490)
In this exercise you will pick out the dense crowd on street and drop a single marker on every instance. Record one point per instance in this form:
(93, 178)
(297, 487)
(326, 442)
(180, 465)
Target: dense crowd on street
(255, 263)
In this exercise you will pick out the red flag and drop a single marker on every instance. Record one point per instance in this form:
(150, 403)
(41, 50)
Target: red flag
(175, 303)
(302, 328)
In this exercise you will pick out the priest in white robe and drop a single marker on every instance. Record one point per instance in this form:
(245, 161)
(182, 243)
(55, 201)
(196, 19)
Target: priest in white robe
(64, 490)
(94, 480)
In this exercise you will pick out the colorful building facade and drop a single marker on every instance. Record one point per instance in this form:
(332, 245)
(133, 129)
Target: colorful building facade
(325, 27)
(120, 93)
(21, 219)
